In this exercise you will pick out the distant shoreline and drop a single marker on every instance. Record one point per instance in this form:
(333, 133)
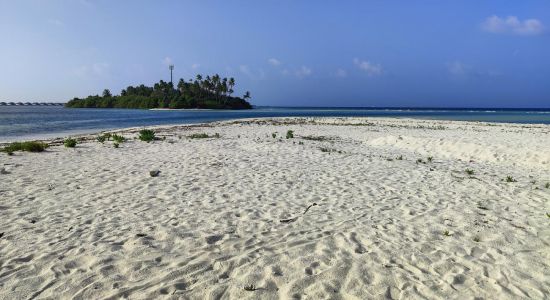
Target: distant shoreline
(186, 109)
(26, 123)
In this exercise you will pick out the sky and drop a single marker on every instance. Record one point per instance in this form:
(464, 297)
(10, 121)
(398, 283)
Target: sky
(468, 53)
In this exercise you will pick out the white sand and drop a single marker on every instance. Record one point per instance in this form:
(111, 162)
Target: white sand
(209, 226)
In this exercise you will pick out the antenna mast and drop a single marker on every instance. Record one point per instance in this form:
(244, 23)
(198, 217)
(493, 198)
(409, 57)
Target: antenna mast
(171, 67)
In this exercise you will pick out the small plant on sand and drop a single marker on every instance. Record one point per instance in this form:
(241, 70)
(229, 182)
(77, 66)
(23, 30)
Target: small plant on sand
(25, 146)
(203, 136)
(199, 136)
(274, 135)
(548, 215)
(101, 138)
(146, 135)
(430, 159)
(115, 144)
(290, 134)
(547, 185)
(469, 172)
(315, 138)
(119, 139)
(400, 157)
(446, 233)
(10, 153)
(300, 143)
(510, 179)
(329, 150)
(477, 239)
(250, 288)
(69, 143)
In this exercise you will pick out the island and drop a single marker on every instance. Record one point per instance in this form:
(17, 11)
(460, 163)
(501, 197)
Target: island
(212, 92)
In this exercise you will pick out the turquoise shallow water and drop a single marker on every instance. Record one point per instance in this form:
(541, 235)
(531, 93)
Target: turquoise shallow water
(20, 122)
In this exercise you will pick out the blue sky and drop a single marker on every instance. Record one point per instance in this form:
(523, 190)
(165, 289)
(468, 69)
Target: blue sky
(288, 52)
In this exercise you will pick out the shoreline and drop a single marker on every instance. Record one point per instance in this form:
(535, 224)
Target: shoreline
(89, 132)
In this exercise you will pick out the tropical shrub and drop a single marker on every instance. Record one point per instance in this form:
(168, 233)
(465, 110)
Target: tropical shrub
(25, 146)
(146, 135)
(69, 143)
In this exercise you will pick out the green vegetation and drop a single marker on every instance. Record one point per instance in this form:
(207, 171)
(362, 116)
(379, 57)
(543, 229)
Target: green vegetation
(213, 92)
(446, 233)
(250, 288)
(115, 144)
(430, 159)
(101, 138)
(119, 139)
(315, 138)
(274, 135)
(146, 135)
(400, 157)
(469, 172)
(290, 134)
(329, 150)
(203, 136)
(547, 185)
(25, 146)
(69, 143)
(510, 179)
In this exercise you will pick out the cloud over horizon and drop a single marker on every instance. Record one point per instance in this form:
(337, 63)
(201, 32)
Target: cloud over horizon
(512, 25)
(167, 61)
(94, 70)
(274, 62)
(302, 72)
(372, 69)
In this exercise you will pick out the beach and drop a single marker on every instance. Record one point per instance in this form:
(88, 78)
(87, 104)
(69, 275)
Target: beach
(338, 208)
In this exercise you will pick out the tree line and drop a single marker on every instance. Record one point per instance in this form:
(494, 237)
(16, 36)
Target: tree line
(210, 92)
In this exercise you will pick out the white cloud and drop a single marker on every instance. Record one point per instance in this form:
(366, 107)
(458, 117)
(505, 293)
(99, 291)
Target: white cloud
(461, 69)
(167, 61)
(372, 69)
(245, 70)
(512, 25)
(93, 70)
(302, 72)
(195, 66)
(253, 75)
(341, 73)
(274, 62)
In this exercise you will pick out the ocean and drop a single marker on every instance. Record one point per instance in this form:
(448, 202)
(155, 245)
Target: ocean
(30, 122)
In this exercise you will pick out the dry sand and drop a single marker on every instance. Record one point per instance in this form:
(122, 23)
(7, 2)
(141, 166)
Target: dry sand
(226, 216)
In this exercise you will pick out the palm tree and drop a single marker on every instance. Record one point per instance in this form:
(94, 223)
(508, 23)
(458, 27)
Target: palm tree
(208, 84)
(246, 95)
(231, 85)
(181, 85)
(216, 85)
